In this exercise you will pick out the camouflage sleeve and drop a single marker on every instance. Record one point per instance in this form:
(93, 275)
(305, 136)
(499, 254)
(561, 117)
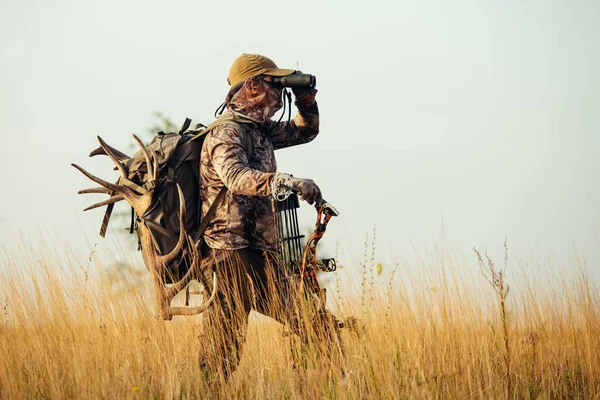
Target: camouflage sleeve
(226, 148)
(303, 128)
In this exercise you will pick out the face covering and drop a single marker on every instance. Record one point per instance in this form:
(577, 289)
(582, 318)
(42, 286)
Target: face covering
(259, 106)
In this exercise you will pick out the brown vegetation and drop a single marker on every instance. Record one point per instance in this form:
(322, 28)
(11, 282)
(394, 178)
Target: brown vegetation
(435, 332)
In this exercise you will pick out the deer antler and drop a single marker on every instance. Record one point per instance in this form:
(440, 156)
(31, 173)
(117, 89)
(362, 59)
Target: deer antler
(112, 200)
(100, 151)
(151, 173)
(101, 190)
(201, 308)
(113, 157)
(111, 186)
(156, 263)
(140, 202)
(167, 293)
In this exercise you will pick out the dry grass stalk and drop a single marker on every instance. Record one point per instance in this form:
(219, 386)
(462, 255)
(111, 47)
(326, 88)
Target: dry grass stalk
(495, 278)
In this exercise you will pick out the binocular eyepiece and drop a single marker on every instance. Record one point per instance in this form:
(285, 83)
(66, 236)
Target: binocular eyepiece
(297, 80)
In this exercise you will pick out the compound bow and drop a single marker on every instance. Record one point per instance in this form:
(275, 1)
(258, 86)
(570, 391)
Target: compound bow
(302, 260)
(310, 264)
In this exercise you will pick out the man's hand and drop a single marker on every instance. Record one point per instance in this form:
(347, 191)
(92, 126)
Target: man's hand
(308, 189)
(304, 97)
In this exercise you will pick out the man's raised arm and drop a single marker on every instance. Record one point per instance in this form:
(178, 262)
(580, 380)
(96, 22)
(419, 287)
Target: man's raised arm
(303, 128)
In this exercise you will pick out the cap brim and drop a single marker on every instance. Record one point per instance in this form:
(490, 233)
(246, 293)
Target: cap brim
(279, 72)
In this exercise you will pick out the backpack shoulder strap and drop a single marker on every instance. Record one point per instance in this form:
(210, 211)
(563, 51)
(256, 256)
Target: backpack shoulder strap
(210, 213)
(213, 207)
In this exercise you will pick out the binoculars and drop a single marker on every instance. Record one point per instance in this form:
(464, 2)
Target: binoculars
(297, 80)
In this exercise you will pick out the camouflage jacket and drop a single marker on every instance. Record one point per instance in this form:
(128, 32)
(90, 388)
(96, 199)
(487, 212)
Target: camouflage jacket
(246, 217)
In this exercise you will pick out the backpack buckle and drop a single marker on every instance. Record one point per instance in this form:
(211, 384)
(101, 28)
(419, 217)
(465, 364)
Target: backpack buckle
(150, 185)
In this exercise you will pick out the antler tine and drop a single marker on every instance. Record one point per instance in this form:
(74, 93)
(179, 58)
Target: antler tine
(106, 202)
(189, 275)
(149, 166)
(198, 309)
(112, 156)
(100, 190)
(168, 258)
(108, 185)
(100, 151)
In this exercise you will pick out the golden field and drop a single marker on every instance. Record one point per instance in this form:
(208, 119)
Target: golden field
(72, 326)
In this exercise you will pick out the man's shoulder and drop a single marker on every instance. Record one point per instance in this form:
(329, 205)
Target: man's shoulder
(227, 128)
(231, 134)
(230, 123)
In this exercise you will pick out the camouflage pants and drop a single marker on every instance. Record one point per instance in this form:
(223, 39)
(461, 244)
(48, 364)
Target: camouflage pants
(251, 279)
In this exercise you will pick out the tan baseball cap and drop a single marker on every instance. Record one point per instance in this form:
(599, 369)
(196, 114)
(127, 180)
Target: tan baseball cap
(250, 65)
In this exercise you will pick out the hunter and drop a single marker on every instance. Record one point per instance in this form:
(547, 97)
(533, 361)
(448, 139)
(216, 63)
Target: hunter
(240, 238)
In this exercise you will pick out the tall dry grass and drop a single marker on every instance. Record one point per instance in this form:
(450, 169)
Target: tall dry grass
(72, 328)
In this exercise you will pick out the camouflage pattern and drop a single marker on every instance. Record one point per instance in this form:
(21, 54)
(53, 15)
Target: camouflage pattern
(246, 217)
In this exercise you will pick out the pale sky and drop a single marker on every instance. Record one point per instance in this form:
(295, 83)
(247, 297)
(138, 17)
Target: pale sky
(481, 114)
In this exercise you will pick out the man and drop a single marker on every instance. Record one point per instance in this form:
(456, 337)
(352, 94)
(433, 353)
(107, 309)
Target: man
(241, 241)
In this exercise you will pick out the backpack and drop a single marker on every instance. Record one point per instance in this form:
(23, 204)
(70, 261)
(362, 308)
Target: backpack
(178, 157)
